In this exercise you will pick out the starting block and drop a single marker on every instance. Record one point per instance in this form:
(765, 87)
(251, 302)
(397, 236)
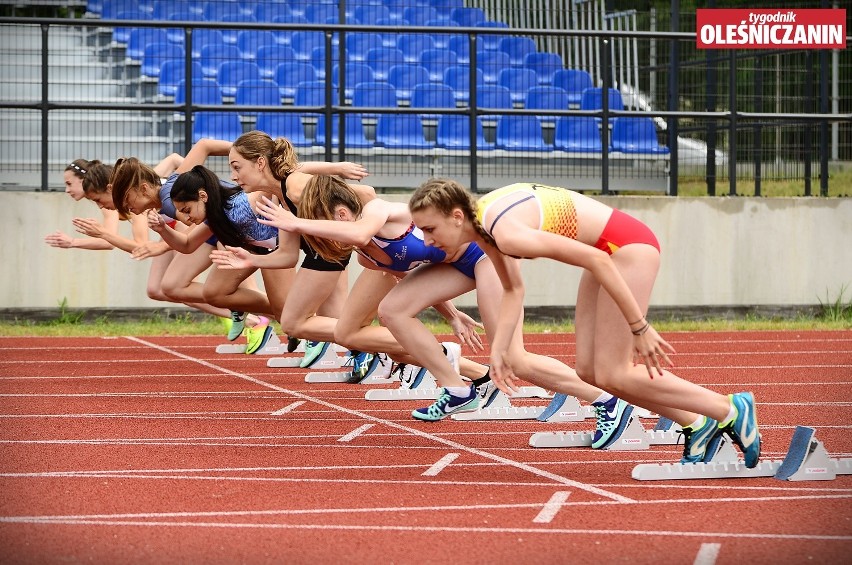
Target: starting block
(562, 408)
(633, 437)
(292, 362)
(806, 460)
(273, 347)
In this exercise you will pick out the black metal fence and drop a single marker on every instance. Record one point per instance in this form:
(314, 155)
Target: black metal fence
(78, 87)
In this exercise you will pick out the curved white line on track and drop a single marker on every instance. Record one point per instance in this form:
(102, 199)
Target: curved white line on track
(522, 466)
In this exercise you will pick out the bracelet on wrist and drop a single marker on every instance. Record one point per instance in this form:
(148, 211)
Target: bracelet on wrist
(641, 330)
(642, 319)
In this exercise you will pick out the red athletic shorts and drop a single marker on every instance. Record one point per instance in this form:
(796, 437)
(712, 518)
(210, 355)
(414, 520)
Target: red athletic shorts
(623, 229)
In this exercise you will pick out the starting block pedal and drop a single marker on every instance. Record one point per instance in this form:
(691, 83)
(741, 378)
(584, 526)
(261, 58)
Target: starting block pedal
(501, 408)
(380, 369)
(293, 362)
(273, 347)
(806, 460)
(416, 383)
(634, 436)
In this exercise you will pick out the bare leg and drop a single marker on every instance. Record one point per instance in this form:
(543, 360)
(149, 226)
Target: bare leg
(605, 347)
(222, 288)
(277, 283)
(309, 292)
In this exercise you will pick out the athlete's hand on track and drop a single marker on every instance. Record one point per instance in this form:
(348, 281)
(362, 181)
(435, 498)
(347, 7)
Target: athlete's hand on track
(649, 349)
(88, 226)
(502, 374)
(464, 328)
(58, 239)
(275, 216)
(231, 258)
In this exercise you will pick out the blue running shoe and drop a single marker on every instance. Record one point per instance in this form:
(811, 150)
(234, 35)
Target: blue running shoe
(258, 336)
(447, 404)
(367, 367)
(611, 417)
(742, 429)
(696, 441)
(237, 325)
(313, 351)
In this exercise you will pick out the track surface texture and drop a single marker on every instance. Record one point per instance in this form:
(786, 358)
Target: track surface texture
(159, 450)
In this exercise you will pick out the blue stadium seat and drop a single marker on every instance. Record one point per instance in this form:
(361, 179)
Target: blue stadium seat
(286, 37)
(488, 41)
(355, 74)
(573, 82)
(162, 10)
(178, 35)
(437, 61)
(270, 56)
(454, 133)
(468, 17)
(546, 98)
(267, 10)
(122, 34)
(214, 55)
(312, 93)
(518, 81)
(288, 76)
(216, 125)
(231, 73)
(492, 63)
(374, 94)
(357, 45)
(249, 42)
(257, 92)
(413, 44)
(457, 77)
(171, 73)
(382, 59)
(578, 134)
(304, 42)
(442, 40)
(460, 45)
(318, 60)
(592, 99)
(354, 135)
(230, 35)
(404, 78)
(493, 96)
(321, 13)
(544, 64)
(158, 53)
(520, 133)
(401, 131)
(203, 37)
(111, 8)
(419, 15)
(217, 11)
(205, 91)
(142, 37)
(636, 135)
(281, 124)
(432, 95)
(517, 47)
(370, 14)
(446, 5)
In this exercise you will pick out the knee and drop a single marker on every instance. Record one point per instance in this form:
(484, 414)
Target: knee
(387, 313)
(211, 297)
(586, 371)
(343, 336)
(289, 325)
(155, 292)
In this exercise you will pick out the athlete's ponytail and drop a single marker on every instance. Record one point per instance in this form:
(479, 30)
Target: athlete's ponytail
(278, 152)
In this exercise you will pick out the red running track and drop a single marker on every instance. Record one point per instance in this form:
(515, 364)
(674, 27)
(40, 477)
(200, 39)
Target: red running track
(159, 450)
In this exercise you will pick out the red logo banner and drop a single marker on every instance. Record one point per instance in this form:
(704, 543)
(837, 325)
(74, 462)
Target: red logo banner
(770, 28)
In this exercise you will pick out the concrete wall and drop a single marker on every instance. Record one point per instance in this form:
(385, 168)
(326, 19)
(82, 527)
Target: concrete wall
(716, 252)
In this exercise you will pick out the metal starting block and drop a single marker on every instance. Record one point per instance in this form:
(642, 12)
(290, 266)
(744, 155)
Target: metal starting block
(634, 436)
(562, 408)
(330, 357)
(380, 370)
(806, 460)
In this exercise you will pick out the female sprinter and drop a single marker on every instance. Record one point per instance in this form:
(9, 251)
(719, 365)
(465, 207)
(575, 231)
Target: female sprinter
(334, 222)
(620, 257)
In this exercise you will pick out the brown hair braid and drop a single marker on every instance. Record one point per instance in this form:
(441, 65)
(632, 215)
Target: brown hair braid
(96, 180)
(129, 174)
(444, 195)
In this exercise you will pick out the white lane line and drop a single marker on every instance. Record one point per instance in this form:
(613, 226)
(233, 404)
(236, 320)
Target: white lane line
(440, 465)
(355, 433)
(645, 534)
(707, 554)
(288, 408)
(551, 507)
(431, 437)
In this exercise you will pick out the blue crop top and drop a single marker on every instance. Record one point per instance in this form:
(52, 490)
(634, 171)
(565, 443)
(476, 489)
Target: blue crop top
(406, 252)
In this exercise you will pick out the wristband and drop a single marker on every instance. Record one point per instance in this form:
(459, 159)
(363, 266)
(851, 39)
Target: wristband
(641, 330)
